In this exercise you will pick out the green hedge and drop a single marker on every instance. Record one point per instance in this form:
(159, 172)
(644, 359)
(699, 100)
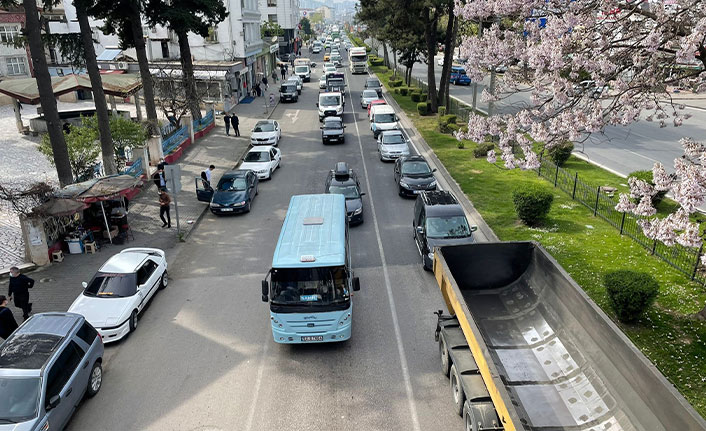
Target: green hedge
(532, 202)
(422, 108)
(447, 119)
(377, 61)
(404, 91)
(442, 111)
(395, 82)
(630, 293)
(482, 150)
(560, 153)
(416, 97)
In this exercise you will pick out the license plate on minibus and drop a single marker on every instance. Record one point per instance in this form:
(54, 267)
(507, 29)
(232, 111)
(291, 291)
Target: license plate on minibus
(313, 338)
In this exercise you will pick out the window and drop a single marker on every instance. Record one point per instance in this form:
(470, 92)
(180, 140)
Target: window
(16, 66)
(62, 369)
(8, 33)
(271, 3)
(144, 273)
(272, 18)
(212, 35)
(87, 333)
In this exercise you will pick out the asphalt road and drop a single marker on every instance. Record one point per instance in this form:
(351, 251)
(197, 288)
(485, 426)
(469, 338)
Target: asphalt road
(203, 357)
(619, 149)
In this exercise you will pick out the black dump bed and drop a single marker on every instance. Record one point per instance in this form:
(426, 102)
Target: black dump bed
(558, 362)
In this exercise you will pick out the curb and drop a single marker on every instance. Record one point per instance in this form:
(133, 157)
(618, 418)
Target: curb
(467, 205)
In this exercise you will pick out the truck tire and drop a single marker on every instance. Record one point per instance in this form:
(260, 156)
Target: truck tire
(444, 355)
(456, 391)
(469, 420)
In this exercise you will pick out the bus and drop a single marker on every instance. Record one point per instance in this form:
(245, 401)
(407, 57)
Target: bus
(311, 280)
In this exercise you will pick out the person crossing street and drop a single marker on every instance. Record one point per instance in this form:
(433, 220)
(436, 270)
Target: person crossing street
(19, 289)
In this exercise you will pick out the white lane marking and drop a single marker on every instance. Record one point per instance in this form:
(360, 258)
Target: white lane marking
(640, 155)
(258, 383)
(388, 287)
(293, 116)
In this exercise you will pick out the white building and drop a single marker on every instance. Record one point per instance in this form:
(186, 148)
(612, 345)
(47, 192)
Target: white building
(286, 14)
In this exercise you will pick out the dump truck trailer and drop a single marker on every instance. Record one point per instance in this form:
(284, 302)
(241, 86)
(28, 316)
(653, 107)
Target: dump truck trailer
(526, 349)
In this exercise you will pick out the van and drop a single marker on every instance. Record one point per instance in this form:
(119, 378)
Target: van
(288, 92)
(47, 366)
(303, 71)
(330, 104)
(383, 117)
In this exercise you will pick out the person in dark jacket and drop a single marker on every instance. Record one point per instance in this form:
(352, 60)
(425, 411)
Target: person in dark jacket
(236, 123)
(226, 120)
(8, 324)
(19, 289)
(159, 179)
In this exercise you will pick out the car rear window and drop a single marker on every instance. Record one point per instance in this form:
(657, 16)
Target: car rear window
(87, 333)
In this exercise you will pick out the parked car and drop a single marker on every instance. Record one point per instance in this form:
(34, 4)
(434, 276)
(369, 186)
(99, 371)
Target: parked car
(47, 366)
(297, 81)
(413, 176)
(288, 92)
(368, 96)
(458, 76)
(235, 192)
(343, 180)
(120, 290)
(383, 117)
(375, 103)
(374, 84)
(439, 220)
(333, 130)
(263, 160)
(392, 144)
(266, 132)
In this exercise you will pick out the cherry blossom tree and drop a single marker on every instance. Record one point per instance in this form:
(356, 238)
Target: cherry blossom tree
(588, 64)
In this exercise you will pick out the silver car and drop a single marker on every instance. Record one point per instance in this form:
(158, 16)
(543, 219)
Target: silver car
(297, 80)
(368, 96)
(392, 144)
(47, 366)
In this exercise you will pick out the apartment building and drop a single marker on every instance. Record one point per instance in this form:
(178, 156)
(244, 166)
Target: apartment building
(14, 62)
(286, 14)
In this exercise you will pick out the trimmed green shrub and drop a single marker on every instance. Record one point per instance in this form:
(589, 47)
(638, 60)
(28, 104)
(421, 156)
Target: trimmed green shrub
(646, 176)
(422, 97)
(560, 153)
(481, 150)
(464, 128)
(395, 82)
(630, 293)
(404, 91)
(461, 145)
(532, 202)
(416, 97)
(376, 61)
(447, 119)
(422, 108)
(442, 111)
(452, 127)
(396, 90)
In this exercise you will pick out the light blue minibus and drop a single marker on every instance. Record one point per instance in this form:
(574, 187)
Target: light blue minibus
(311, 278)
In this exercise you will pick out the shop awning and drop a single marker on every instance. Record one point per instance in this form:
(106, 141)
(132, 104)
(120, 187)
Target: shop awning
(101, 189)
(59, 207)
(25, 90)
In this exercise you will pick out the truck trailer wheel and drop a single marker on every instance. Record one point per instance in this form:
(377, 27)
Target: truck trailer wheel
(469, 419)
(457, 391)
(444, 355)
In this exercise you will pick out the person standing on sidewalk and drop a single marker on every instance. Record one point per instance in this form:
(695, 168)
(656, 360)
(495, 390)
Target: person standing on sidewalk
(283, 72)
(8, 324)
(264, 82)
(19, 287)
(159, 179)
(164, 201)
(236, 124)
(226, 120)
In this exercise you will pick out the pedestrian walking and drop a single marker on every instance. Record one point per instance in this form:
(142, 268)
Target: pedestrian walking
(283, 72)
(236, 122)
(19, 289)
(274, 76)
(8, 324)
(159, 179)
(164, 201)
(264, 82)
(258, 90)
(226, 120)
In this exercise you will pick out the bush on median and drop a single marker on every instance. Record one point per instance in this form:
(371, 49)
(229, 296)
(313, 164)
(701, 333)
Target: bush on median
(422, 108)
(560, 153)
(532, 202)
(630, 293)
(416, 97)
(395, 82)
(442, 111)
(404, 91)
(482, 150)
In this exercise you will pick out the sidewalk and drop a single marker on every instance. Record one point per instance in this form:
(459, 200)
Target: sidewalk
(57, 285)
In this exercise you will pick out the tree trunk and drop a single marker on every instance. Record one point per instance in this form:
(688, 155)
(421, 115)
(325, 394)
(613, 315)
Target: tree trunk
(106, 139)
(430, 37)
(448, 76)
(394, 58)
(448, 54)
(187, 68)
(46, 94)
(386, 56)
(133, 14)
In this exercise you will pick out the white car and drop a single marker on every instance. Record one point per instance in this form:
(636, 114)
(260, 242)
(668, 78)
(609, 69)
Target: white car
(262, 160)
(392, 144)
(266, 132)
(329, 64)
(322, 81)
(120, 290)
(330, 69)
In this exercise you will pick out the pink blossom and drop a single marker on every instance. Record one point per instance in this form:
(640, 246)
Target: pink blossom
(660, 177)
(625, 204)
(645, 208)
(491, 157)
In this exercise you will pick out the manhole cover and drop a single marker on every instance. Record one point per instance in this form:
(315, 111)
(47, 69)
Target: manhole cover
(46, 280)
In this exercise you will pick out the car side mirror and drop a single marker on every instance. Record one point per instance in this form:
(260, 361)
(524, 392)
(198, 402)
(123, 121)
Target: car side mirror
(53, 402)
(265, 291)
(317, 104)
(321, 127)
(474, 228)
(433, 170)
(362, 193)
(356, 284)
(420, 230)
(84, 284)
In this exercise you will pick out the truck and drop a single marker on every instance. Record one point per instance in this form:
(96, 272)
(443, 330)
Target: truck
(358, 59)
(525, 348)
(302, 68)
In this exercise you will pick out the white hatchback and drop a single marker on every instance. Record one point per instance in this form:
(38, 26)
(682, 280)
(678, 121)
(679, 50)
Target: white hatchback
(262, 160)
(120, 290)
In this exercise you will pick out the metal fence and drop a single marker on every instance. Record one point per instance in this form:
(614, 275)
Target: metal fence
(684, 259)
(170, 144)
(203, 122)
(136, 169)
(168, 129)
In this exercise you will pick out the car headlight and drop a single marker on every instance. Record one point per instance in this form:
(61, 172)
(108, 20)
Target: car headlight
(215, 205)
(431, 255)
(358, 211)
(239, 204)
(432, 184)
(403, 184)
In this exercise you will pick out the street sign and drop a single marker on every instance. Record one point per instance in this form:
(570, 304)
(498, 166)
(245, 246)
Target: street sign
(172, 175)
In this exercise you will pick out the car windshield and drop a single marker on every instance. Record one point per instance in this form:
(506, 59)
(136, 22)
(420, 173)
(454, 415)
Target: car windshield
(332, 124)
(415, 168)
(232, 185)
(349, 192)
(309, 286)
(301, 69)
(264, 127)
(19, 397)
(369, 94)
(288, 88)
(257, 156)
(335, 82)
(447, 227)
(112, 285)
(358, 57)
(372, 83)
(459, 71)
(392, 138)
(384, 118)
(330, 101)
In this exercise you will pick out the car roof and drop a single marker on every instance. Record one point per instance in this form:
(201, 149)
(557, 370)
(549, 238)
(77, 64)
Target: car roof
(333, 120)
(391, 132)
(33, 344)
(441, 203)
(264, 122)
(235, 173)
(372, 80)
(330, 93)
(370, 91)
(383, 109)
(414, 158)
(124, 263)
(260, 149)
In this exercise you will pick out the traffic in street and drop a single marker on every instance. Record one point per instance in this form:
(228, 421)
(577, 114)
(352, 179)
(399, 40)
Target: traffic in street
(204, 357)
